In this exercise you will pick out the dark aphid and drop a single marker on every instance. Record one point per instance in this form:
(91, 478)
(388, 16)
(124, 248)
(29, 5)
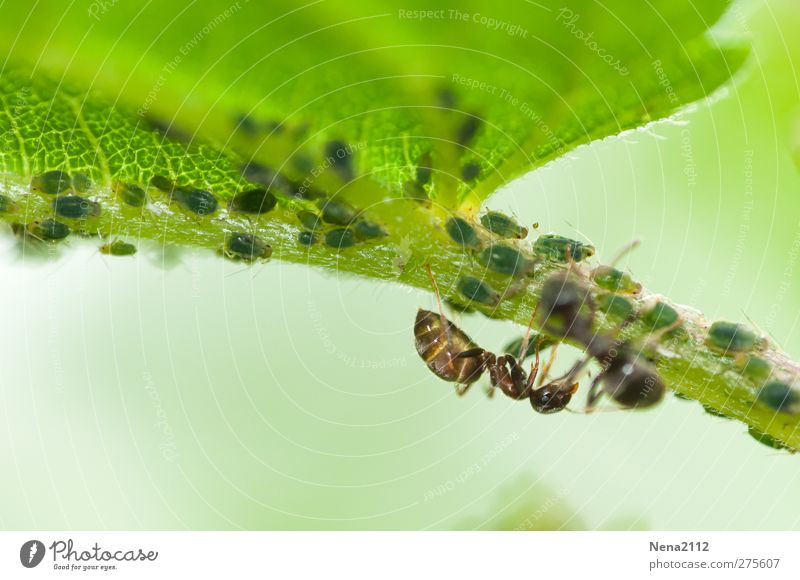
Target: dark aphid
(554, 247)
(168, 129)
(81, 182)
(75, 207)
(254, 201)
(198, 201)
(566, 308)
(470, 171)
(414, 190)
(52, 182)
(753, 367)
(246, 124)
(274, 126)
(780, 397)
(163, 183)
(627, 378)
(462, 232)
(467, 130)
(615, 280)
(502, 225)
(365, 229)
(768, 440)
(307, 238)
(340, 238)
(439, 341)
(536, 342)
(338, 212)
(424, 170)
(309, 220)
(247, 247)
(478, 291)
(659, 315)
(118, 248)
(6, 204)
(129, 193)
(340, 156)
(728, 338)
(615, 306)
(505, 260)
(48, 230)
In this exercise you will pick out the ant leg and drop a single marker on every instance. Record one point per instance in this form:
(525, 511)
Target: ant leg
(548, 365)
(594, 393)
(523, 349)
(624, 251)
(461, 390)
(445, 322)
(534, 372)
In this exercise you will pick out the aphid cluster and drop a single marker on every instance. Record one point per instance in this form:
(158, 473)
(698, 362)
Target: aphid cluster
(340, 224)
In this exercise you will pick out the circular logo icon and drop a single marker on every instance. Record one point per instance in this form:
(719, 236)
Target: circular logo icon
(31, 553)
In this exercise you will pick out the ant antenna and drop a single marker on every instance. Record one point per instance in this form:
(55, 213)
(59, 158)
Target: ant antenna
(523, 350)
(549, 364)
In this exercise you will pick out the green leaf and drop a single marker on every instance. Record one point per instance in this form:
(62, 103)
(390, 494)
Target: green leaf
(388, 120)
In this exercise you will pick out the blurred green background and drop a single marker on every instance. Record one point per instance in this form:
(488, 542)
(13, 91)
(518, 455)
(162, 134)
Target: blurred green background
(187, 392)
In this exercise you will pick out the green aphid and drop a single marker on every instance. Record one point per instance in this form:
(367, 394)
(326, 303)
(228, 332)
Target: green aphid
(503, 226)
(462, 232)
(198, 201)
(615, 306)
(615, 280)
(780, 397)
(768, 440)
(753, 367)
(75, 207)
(339, 213)
(6, 204)
(729, 338)
(478, 291)
(716, 413)
(340, 238)
(254, 201)
(307, 238)
(165, 184)
(660, 315)
(52, 182)
(505, 260)
(129, 193)
(365, 229)
(48, 230)
(543, 342)
(118, 248)
(81, 182)
(247, 247)
(554, 247)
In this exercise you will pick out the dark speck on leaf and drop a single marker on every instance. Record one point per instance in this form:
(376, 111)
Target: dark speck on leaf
(81, 182)
(118, 248)
(263, 175)
(424, 169)
(468, 129)
(130, 193)
(247, 247)
(365, 229)
(163, 183)
(74, 206)
(340, 238)
(338, 212)
(340, 156)
(49, 230)
(307, 238)
(470, 171)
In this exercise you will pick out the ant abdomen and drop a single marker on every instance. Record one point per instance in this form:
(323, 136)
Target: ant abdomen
(439, 342)
(631, 382)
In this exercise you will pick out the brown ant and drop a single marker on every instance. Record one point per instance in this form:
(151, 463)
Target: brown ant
(452, 356)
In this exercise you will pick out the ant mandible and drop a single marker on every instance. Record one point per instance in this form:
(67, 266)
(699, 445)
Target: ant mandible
(452, 356)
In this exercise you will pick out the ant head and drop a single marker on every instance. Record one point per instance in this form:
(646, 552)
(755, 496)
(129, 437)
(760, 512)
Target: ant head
(553, 397)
